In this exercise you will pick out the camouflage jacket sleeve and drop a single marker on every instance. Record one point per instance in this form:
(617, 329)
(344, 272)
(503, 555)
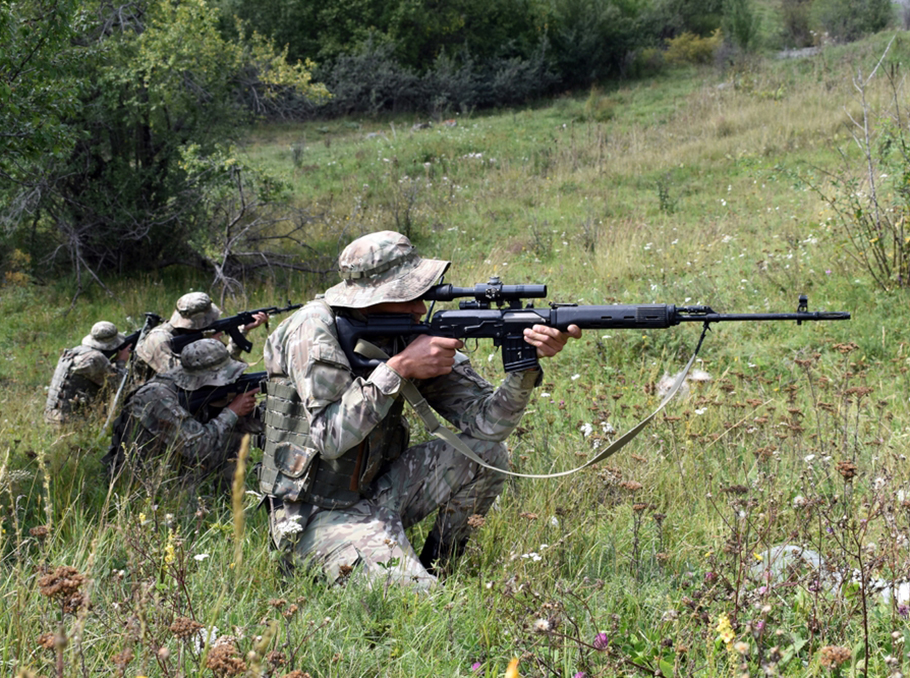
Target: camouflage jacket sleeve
(341, 409)
(470, 403)
(155, 349)
(96, 367)
(163, 422)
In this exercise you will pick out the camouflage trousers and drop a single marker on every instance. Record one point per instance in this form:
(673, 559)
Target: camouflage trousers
(369, 537)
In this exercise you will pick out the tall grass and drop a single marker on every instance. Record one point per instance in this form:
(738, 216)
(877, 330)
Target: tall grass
(657, 561)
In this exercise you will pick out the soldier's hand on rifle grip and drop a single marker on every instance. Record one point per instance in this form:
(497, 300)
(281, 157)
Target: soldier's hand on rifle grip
(258, 319)
(549, 340)
(123, 354)
(244, 403)
(426, 357)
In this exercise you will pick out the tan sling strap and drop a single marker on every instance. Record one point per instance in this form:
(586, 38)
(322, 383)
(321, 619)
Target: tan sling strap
(420, 405)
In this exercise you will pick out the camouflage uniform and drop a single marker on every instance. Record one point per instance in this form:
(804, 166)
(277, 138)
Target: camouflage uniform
(343, 419)
(82, 372)
(156, 422)
(193, 311)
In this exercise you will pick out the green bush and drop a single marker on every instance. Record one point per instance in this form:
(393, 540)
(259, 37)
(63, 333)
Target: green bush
(689, 48)
(849, 20)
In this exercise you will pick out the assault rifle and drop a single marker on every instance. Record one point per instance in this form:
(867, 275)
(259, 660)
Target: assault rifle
(152, 320)
(193, 401)
(231, 325)
(505, 325)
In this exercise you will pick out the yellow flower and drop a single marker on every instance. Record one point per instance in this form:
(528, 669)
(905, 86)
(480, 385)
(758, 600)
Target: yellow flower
(512, 671)
(724, 629)
(758, 556)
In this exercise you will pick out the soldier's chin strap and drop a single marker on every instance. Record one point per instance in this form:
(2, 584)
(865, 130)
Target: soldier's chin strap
(420, 405)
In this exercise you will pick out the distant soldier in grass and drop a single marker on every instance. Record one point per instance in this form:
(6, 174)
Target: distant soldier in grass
(159, 423)
(194, 311)
(342, 482)
(84, 370)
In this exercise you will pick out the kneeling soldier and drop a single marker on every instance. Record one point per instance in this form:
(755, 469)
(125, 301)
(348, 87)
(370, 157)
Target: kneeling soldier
(84, 370)
(158, 419)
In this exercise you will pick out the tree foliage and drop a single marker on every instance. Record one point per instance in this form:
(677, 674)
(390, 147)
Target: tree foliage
(114, 192)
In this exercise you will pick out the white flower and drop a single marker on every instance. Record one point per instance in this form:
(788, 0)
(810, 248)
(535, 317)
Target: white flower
(205, 637)
(200, 556)
(288, 527)
(586, 429)
(535, 557)
(809, 458)
(542, 625)
(799, 501)
(575, 376)
(554, 521)
(607, 428)
(701, 410)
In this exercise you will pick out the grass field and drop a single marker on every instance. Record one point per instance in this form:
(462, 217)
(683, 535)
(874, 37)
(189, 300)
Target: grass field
(697, 187)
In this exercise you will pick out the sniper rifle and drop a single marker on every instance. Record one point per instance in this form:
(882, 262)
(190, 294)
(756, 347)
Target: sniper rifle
(505, 324)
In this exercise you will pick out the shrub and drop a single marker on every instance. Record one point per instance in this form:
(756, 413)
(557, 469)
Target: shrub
(795, 16)
(848, 20)
(689, 48)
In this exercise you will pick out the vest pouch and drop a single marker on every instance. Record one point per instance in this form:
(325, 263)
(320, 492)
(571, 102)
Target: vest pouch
(294, 466)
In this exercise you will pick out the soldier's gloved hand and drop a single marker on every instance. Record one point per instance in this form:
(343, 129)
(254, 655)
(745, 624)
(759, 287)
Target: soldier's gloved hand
(244, 403)
(548, 340)
(426, 357)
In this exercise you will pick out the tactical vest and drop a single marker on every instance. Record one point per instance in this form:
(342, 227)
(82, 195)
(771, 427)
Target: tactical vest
(68, 391)
(292, 468)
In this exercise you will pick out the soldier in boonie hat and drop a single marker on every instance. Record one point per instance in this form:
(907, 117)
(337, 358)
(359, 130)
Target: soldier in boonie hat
(194, 311)
(104, 336)
(84, 370)
(158, 418)
(382, 267)
(206, 362)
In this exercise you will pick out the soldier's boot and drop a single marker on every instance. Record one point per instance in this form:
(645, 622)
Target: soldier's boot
(438, 558)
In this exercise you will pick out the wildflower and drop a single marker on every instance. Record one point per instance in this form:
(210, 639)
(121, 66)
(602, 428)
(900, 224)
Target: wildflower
(223, 660)
(580, 674)
(476, 667)
(847, 469)
(601, 641)
(39, 532)
(200, 556)
(903, 610)
(476, 521)
(586, 429)
(512, 670)
(542, 626)
(184, 627)
(46, 641)
(724, 629)
(833, 656)
(741, 647)
(288, 527)
(799, 501)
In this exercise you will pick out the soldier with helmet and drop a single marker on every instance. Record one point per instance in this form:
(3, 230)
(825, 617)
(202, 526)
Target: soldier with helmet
(84, 370)
(341, 480)
(194, 311)
(156, 420)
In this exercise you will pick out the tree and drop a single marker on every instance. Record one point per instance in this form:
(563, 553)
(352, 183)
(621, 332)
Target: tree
(162, 78)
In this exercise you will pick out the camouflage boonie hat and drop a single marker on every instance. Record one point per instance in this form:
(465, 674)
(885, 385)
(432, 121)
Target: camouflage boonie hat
(206, 363)
(104, 336)
(382, 267)
(195, 311)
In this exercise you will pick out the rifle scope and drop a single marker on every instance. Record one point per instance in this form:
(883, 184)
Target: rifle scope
(486, 293)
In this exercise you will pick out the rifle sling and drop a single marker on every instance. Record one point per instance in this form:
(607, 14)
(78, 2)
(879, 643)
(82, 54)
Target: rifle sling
(420, 405)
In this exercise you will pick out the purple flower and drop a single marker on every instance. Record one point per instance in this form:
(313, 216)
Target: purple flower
(903, 610)
(476, 666)
(580, 674)
(710, 577)
(759, 625)
(601, 642)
